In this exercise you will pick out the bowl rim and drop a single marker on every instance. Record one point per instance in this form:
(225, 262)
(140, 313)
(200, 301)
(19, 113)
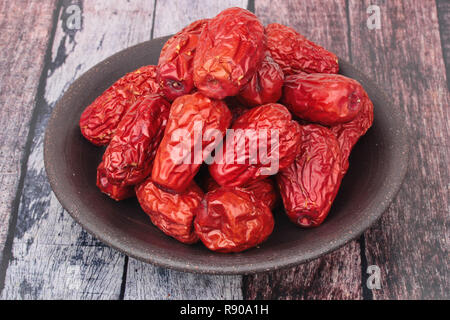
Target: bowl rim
(243, 269)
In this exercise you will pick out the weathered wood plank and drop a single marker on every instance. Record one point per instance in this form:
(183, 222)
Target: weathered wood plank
(52, 257)
(337, 275)
(324, 278)
(410, 243)
(172, 15)
(443, 8)
(20, 50)
(150, 282)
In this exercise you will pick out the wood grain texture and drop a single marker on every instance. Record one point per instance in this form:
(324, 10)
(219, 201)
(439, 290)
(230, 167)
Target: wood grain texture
(52, 257)
(150, 282)
(443, 8)
(173, 15)
(410, 243)
(324, 278)
(25, 30)
(336, 275)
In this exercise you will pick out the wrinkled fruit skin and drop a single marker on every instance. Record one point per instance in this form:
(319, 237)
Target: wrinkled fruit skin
(309, 186)
(349, 133)
(115, 192)
(265, 86)
(229, 51)
(184, 113)
(176, 62)
(129, 157)
(294, 53)
(172, 213)
(328, 99)
(232, 220)
(263, 190)
(270, 117)
(99, 120)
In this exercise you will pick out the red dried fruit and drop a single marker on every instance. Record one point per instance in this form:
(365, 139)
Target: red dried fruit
(99, 120)
(129, 157)
(265, 86)
(172, 213)
(229, 52)
(349, 133)
(243, 159)
(176, 62)
(309, 186)
(188, 114)
(232, 220)
(294, 53)
(263, 190)
(113, 191)
(328, 99)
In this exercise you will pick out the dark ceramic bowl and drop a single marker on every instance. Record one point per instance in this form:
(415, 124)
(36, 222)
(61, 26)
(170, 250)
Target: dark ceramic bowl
(377, 166)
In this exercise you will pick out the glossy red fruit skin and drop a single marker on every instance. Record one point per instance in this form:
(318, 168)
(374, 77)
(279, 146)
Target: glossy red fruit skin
(232, 220)
(328, 99)
(263, 190)
(349, 133)
(265, 86)
(229, 51)
(184, 113)
(309, 186)
(115, 192)
(172, 213)
(270, 117)
(129, 157)
(294, 53)
(99, 120)
(176, 62)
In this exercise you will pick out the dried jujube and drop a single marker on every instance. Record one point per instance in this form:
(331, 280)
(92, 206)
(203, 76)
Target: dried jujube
(263, 190)
(99, 120)
(229, 52)
(241, 160)
(265, 86)
(309, 186)
(328, 99)
(176, 62)
(188, 114)
(129, 157)
(294, 53)
(232, 220)
(172, 213)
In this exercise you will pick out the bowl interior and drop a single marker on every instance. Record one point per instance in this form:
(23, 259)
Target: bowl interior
(377, 167)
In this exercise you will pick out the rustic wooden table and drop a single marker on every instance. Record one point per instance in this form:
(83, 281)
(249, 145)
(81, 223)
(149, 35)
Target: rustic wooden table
(46, 255)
